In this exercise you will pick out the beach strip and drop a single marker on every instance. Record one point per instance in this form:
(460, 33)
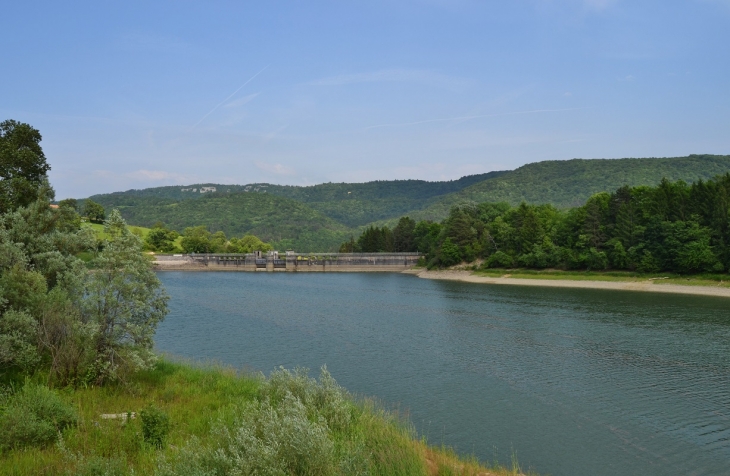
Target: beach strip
(645, 285)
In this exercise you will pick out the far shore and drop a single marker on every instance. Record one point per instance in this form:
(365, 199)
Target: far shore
(638, 285)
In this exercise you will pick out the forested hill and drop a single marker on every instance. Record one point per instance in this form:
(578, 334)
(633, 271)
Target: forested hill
(287, 223)
(353, 204)
(319, 217)
(569, 183)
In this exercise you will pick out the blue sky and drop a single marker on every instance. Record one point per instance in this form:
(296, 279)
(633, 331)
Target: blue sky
(141, 94)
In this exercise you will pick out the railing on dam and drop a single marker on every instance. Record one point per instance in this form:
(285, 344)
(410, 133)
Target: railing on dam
(292, 261)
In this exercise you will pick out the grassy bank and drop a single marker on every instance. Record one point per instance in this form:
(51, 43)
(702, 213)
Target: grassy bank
(99, 230)
(219, 418)
(717, 280)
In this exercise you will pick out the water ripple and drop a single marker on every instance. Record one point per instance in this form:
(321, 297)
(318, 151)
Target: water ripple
(573, 381)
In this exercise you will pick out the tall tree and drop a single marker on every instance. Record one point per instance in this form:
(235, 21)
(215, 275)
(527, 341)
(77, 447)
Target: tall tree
(403, 235)
(23, 166)
(94, 211)
(125, 300)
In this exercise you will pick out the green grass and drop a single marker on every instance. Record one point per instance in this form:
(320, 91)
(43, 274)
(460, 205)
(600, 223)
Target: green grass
(615, 276)
(140, 231)
(99, 229)
(198, 401)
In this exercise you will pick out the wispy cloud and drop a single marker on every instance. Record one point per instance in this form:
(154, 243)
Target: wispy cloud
(145, 175)
(241, 101)
(271, 135)
(468, 118)
(157, 176)
(395, 75)
(229, 97)
(277, 169)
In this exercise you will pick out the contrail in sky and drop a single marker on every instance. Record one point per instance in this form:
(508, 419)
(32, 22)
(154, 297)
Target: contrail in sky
(466, 118)
(229, 97)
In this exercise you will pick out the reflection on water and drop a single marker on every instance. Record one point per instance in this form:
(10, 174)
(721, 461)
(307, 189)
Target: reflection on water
(571, 381)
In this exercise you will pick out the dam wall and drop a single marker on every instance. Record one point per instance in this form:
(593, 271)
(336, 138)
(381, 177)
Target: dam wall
(291, 262)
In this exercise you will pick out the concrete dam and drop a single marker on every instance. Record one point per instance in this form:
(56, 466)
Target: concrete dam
(289, 262)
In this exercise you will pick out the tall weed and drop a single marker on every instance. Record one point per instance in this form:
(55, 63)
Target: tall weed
(33, 417)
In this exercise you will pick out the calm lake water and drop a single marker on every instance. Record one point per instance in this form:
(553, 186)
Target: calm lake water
(573, 382)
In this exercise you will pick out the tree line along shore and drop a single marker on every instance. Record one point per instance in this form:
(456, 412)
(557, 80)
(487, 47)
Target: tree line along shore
(671, 228)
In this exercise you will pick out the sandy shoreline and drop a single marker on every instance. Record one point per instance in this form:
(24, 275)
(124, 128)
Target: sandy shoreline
(645, 286)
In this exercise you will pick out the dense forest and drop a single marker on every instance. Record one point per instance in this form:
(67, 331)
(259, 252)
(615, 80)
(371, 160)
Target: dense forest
(351, 204)
(286, 223)
(672, 227)
(319, 217)
(569, 183)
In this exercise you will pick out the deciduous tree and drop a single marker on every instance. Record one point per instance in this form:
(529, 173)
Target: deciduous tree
(23, 165)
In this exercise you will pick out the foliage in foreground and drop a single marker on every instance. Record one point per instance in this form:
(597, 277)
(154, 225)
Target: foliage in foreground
(221, 423)
(32, 417)
(58, 318)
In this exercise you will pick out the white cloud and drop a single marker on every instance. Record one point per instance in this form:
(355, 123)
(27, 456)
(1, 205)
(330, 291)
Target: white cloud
(156, 176)
(146, 176)
(277, 169)
(395, 75)
(469, 118)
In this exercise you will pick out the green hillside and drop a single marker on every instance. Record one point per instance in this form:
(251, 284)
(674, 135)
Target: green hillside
(569, 183)
(286, 223)
(320, 217)
(353, 204)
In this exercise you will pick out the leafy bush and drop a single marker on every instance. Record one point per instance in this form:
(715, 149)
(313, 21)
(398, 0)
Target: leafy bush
(17, 340)
(595, 259)
(500, 259)
(33, 417)
(155, 425)
(449, 254)
(324, 398)
(297, 426)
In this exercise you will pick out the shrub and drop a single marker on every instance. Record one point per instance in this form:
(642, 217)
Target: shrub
(18, 331)
(648, 263)
(595, 259)
(321, 399)
(265, 438)
(449, 253)
(33, 417)
(292, 429)
(500, 259)
(155, 425)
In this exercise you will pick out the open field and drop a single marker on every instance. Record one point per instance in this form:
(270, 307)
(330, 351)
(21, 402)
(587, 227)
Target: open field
(99, 229)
